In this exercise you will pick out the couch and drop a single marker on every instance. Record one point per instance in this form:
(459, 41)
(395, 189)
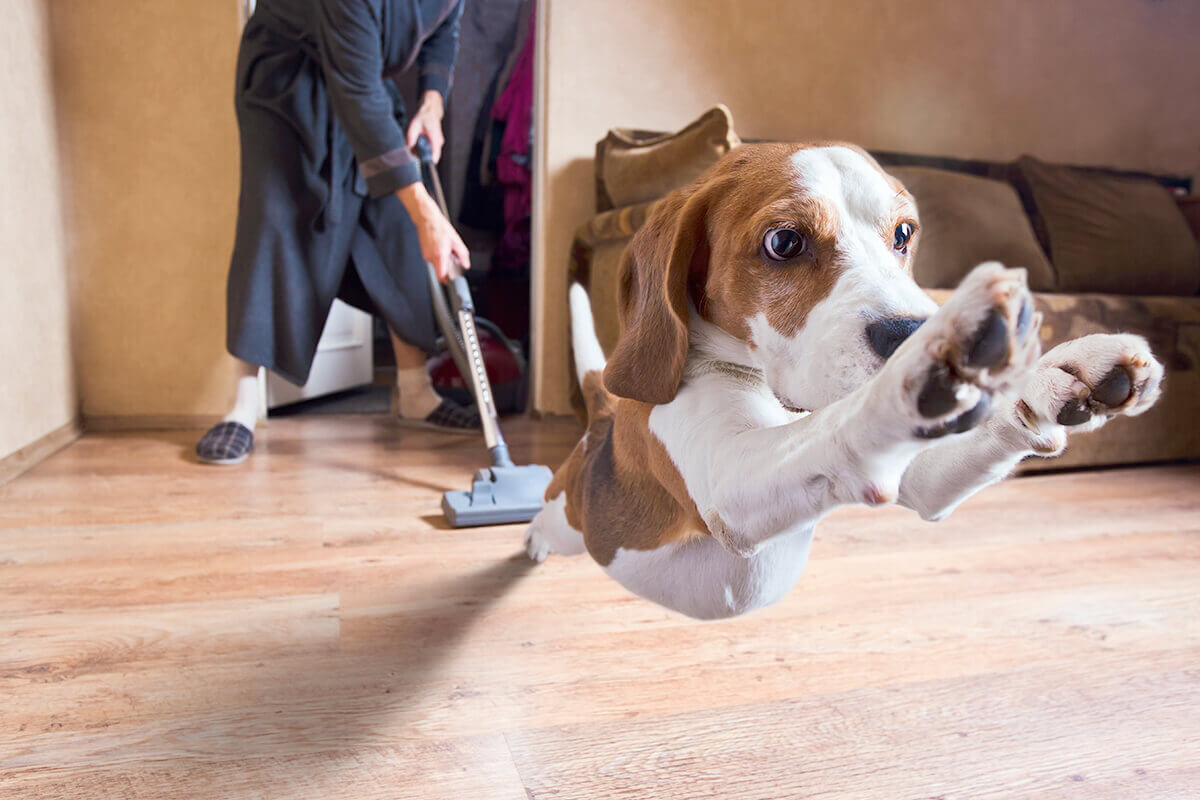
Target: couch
(1107, 250)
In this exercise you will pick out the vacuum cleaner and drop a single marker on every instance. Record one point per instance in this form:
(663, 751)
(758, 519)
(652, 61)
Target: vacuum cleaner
(503, 493)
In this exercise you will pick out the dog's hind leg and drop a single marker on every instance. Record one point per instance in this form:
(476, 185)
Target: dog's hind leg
(550, 532)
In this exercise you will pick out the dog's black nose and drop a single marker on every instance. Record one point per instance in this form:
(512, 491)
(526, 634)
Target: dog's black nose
(887, 334)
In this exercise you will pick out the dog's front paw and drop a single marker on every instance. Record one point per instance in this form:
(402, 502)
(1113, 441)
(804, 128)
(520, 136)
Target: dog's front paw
(1081, 384)
(982, 341)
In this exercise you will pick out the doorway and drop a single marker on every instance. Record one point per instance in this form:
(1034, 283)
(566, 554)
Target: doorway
(486, 173)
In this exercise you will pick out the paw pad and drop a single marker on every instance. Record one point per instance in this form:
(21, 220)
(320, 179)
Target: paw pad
(962, 423)
(939, 395)
(1115, 388)
(990, 345)
(1075, 412)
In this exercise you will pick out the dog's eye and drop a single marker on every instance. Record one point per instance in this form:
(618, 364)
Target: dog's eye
(904, 234)
(781, 244)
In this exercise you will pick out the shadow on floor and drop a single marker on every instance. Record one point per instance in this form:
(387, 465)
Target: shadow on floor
(369, 399)
(376, 684)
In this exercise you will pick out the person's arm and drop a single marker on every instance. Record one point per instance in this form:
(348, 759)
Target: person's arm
(350, 44)
(352, 60)
(439, 241)
(436, 59)
(435, 64)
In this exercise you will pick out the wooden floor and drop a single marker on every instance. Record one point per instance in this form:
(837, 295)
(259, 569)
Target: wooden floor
(305, 626)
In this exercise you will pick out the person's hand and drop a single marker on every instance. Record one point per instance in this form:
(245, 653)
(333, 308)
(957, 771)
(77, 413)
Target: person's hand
(428, 122)
(440, 243)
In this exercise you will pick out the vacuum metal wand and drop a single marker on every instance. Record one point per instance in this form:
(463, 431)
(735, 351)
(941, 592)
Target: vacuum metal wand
(460, 298)
(475, 369)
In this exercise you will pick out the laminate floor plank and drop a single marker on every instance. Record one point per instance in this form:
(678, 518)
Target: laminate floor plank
(307, 626)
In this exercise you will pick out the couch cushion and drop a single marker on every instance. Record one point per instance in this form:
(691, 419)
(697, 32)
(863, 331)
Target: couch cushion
(1108, 234)
(635, 167)
(966, 220)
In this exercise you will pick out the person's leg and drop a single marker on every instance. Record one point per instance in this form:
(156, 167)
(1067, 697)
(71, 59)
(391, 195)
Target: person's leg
(272, 285)
(418, 402)
(417, 398)
(247, 398)
(407, 356)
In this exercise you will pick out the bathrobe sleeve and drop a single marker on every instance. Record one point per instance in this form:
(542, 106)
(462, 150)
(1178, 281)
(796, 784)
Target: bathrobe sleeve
(436, 59)
(350, 41)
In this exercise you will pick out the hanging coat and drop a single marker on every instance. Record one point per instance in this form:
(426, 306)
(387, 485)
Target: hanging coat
(514, 164)
(323, 153)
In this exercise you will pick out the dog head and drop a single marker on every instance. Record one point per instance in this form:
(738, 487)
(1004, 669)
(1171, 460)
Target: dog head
(803, 253)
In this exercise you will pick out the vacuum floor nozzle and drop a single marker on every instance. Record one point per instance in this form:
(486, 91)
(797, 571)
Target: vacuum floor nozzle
(498, 496)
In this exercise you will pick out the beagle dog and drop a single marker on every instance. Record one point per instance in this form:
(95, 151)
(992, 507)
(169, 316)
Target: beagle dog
(777, 360)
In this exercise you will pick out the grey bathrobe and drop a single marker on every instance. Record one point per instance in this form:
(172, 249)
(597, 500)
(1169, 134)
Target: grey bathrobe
(323, 152)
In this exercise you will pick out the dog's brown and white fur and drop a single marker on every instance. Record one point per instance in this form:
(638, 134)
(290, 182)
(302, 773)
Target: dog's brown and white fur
(748, 395)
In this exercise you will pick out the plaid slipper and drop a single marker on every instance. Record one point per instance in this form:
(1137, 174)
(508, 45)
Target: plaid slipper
(448, 417)
(225, 443)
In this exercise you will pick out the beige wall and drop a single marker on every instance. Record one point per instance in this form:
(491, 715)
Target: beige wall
(37, 388)
(1089, 81)
(145, 103)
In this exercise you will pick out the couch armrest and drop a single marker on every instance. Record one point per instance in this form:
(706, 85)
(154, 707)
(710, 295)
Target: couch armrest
(606, 228)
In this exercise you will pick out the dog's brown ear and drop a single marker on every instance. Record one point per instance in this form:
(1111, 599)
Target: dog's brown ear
(667, 255)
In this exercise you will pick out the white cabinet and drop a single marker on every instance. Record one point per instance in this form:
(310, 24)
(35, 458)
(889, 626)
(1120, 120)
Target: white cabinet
(345, 359)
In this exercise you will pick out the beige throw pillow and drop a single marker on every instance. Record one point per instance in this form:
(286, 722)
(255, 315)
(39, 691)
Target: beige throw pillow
(966, 220)
(1108, 234)
(636, 169)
